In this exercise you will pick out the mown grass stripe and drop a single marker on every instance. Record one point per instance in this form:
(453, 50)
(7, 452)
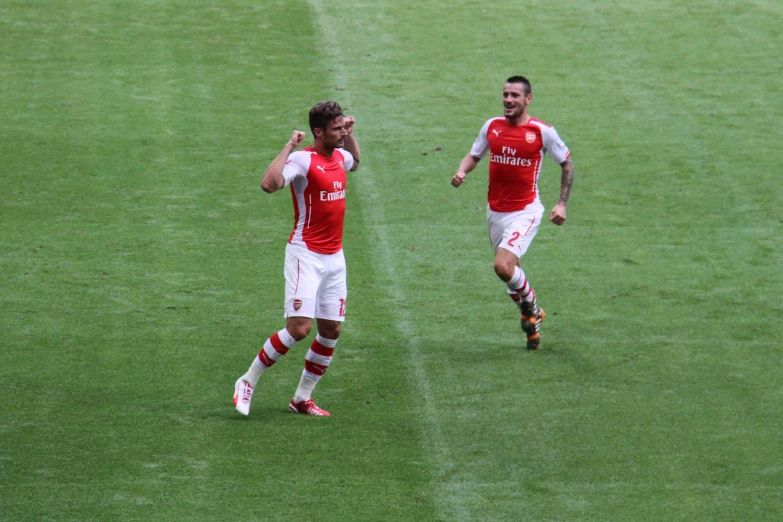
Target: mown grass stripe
(433, 442)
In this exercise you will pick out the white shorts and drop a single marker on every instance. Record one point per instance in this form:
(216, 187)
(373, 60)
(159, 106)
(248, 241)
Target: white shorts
(514, 231)
(315, 284)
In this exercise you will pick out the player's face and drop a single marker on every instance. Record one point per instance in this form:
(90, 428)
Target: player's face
(335, 133)
(514, 100)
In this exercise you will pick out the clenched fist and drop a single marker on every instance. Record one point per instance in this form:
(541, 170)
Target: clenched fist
(296, 138)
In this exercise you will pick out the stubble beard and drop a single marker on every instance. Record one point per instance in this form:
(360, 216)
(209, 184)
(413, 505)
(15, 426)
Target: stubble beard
(516, 112)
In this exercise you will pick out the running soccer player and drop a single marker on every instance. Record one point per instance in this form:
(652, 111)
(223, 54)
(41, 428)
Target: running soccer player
(517, 144)
(315, 270)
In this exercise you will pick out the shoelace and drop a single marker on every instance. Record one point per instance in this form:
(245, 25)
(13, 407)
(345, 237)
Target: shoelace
(247, 391)
(309, 406)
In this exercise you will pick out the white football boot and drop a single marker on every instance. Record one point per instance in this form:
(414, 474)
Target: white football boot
(243, 392)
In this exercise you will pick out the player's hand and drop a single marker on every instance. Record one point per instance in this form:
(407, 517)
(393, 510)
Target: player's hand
(458, 179)
(348, 122)
(558, 215)
(296, 138)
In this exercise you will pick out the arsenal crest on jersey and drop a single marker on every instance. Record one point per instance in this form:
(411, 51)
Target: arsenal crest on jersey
(297, 304)
(530, 137)
(342, 166)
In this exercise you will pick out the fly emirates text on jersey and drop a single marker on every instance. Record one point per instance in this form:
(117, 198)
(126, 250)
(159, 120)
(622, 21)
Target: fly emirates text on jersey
(505, 159)
(338, 193)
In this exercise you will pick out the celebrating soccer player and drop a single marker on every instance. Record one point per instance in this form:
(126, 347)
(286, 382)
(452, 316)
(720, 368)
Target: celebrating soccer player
(517, 144)
(315, 270)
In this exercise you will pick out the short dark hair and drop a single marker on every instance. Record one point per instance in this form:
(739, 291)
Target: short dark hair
(526, 87)
(323, 113)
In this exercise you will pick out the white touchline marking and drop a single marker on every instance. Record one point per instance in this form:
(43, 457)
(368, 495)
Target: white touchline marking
(448, 502)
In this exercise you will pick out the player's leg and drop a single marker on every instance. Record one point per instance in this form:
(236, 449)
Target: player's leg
(332, 298)
(317, 361)
(508, 269)
(511, 235)
(507, 266)
(273, 350)
(296, 329)
(302, 279)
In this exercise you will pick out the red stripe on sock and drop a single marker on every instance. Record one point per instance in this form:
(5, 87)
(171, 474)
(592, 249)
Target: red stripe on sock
(318, 369)
(264, 358)
(278, 345)
(320, 349)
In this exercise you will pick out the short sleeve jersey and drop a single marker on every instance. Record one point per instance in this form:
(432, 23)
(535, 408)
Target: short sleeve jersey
(515, 157)
(318, 188)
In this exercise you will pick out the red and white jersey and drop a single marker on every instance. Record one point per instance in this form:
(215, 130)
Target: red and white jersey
(318, 188)
(515, 157)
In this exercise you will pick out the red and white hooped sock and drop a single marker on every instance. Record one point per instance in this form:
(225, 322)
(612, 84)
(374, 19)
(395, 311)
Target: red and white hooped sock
(515, 297)
(317, 361)
(274, 349)
(518, 283)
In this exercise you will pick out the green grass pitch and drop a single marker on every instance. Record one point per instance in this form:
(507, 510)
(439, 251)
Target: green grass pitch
(141, 265)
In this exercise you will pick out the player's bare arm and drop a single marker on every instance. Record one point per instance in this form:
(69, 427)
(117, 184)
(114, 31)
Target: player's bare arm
(350, 144)
(467, 164)
(558, 215)
(273, 176)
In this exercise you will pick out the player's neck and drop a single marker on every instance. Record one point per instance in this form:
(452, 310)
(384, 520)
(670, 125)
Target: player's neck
(319, 147)
(522, 119)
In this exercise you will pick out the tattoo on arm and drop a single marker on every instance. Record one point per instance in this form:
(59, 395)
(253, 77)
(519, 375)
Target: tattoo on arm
(566, 179)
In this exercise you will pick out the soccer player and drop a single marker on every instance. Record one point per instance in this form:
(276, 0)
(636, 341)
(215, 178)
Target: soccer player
(315, 270)
(517, 144)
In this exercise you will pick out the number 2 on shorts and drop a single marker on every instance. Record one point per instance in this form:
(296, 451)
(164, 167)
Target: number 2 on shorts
(514, 237)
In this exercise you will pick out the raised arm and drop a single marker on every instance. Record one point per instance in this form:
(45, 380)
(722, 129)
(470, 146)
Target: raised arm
(350, 144)
(558, 215)
(467, 164)
(273, 176)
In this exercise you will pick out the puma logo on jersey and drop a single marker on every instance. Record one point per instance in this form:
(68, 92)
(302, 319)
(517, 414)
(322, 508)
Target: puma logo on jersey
(497, 132)
(319, 167)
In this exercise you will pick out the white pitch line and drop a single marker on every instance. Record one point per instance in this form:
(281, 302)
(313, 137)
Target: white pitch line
(435, 447)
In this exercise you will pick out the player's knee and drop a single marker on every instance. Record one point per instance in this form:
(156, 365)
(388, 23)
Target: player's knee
(330, 329)
(299, 329)
(300, 332)
(504, 270)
